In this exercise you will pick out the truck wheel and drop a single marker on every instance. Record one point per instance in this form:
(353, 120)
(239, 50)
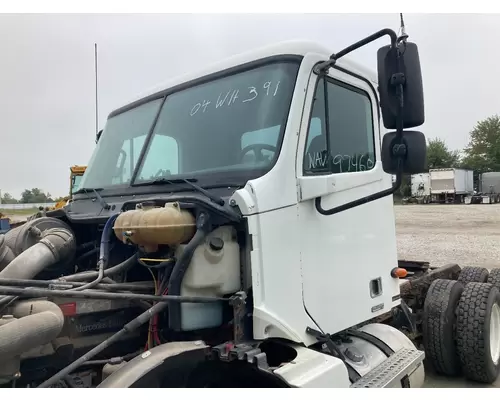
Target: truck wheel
(478, 332)
(473, 274)
(494, 277)
(439, 326)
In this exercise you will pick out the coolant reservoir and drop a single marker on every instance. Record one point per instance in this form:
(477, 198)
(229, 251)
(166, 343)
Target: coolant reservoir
(152, 226)
(214, 271)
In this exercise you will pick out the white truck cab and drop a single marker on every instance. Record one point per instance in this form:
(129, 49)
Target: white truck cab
(258, 194)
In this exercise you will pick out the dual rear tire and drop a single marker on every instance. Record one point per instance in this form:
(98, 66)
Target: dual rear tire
(461, 325)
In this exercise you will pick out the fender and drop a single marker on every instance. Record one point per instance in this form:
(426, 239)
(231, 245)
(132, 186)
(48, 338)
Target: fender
(146, 369)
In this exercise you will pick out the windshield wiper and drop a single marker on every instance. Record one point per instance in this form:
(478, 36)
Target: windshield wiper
(103, 202)
(159, 181)
(86, 190)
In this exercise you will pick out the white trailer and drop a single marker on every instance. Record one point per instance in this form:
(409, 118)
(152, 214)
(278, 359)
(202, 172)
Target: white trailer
(421, 187)
(451, 185)
(489, 189)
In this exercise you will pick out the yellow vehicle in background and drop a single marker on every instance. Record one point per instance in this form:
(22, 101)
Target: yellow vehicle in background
(75, 177)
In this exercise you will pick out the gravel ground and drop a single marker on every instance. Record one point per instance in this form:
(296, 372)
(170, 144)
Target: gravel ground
(466, 234)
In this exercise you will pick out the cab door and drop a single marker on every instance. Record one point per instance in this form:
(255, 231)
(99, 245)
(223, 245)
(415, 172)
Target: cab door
(346, 258)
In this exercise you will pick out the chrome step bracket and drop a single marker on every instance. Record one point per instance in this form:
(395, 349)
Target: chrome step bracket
(390, 372)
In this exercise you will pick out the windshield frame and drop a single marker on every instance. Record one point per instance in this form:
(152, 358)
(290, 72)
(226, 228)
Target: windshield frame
(238, 178)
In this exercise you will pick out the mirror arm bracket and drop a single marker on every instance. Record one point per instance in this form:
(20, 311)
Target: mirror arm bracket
(399, 150)
(324, 66)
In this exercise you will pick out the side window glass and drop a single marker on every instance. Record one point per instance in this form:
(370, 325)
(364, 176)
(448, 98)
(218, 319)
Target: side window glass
(351, 129)
(352, 145)
(316, 154)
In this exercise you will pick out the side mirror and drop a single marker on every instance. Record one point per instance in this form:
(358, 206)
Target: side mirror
(98, 136)
(405, 70)
(414, 161)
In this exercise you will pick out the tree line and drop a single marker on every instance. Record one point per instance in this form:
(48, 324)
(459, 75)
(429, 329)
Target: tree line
(482, 153)
(30, 196)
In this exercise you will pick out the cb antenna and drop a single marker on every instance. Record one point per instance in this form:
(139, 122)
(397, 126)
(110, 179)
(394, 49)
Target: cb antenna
(96, 98)
(404, 35)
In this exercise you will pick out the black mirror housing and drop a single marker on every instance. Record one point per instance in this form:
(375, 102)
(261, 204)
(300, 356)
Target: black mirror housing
(98, 136)
(415, 160)
(389, 70)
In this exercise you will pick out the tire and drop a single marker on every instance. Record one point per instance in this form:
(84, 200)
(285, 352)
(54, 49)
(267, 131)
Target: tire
(473, 274)
(479, 347)
(494, 277)
(439, 321)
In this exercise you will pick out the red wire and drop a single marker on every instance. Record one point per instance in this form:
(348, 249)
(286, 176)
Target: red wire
(154, 324)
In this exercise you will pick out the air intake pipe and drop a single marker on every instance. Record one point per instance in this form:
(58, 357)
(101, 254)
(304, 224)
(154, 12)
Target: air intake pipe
(39, 323)
(56, 244)
(6, 254)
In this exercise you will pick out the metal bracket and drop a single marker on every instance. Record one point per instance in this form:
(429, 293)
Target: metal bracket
(248, 351)
(238, 302)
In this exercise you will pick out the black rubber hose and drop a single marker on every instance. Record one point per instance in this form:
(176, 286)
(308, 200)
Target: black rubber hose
(113, 361)
(103, 255)
(180, 268)
(182, 263)
(119, 268)
(86, 255)
(55, 284)
(95, 294)
(85, 246)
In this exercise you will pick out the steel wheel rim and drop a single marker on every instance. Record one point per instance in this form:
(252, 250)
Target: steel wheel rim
(495, 333)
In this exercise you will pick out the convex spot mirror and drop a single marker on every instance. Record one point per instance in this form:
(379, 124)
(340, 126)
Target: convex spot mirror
(415, 160)
(389, 68)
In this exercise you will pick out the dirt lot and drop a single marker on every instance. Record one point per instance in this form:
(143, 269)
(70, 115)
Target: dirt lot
(463, 234)
(441, 234)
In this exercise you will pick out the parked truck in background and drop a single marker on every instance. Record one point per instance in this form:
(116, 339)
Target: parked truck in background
(421, 187)
(489, 189)
(451, 185)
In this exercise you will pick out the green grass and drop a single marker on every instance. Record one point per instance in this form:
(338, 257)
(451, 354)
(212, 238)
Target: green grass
(23, 211)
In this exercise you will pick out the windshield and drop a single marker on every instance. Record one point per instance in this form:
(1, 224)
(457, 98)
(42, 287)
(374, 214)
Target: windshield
(232, 126)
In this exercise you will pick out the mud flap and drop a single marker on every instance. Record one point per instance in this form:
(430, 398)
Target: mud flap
(147, 368)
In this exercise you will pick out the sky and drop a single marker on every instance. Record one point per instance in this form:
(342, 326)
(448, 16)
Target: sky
(47, 96)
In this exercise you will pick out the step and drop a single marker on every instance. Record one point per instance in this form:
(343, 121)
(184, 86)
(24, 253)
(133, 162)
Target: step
(392, 370)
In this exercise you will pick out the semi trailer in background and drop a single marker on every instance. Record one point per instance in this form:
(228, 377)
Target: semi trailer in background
(421, 187)
(451, 185)
(489, 189)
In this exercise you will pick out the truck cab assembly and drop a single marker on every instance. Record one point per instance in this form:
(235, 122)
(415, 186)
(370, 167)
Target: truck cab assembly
(235, 228)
